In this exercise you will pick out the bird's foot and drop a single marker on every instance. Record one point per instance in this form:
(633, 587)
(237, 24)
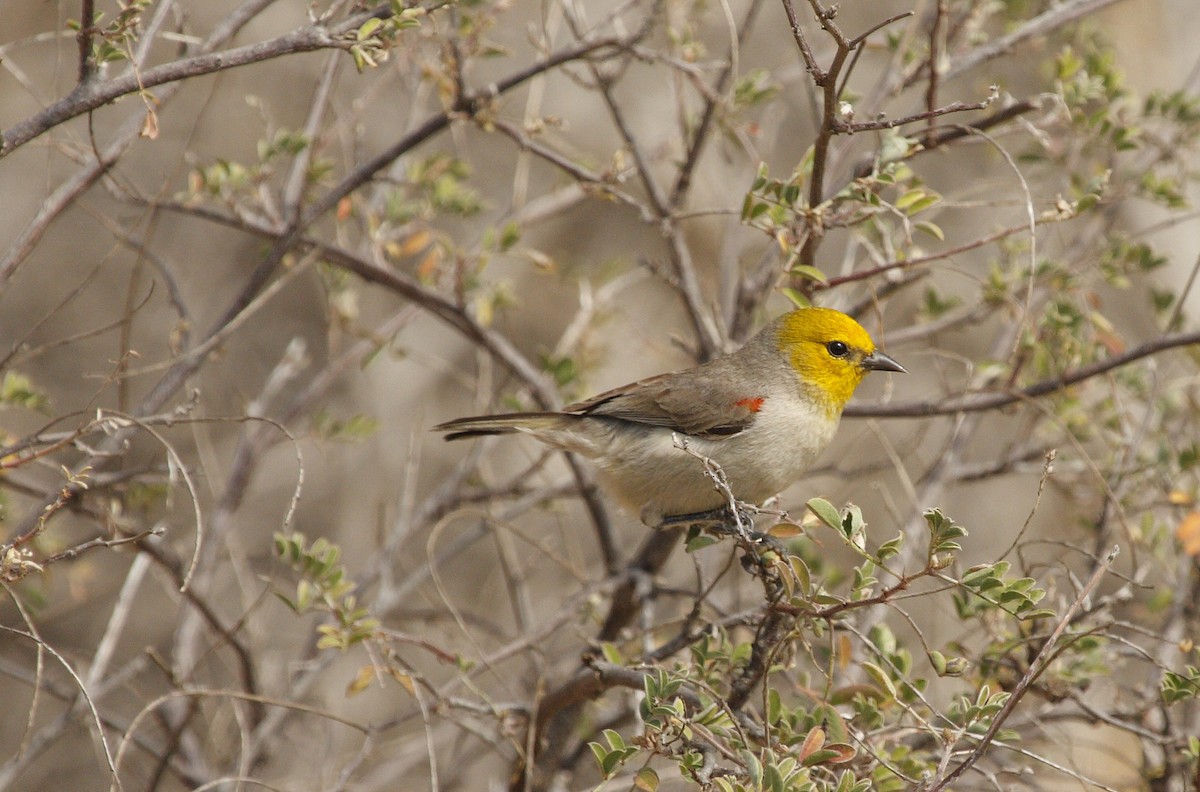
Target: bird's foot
(722, 520)
(738, 524)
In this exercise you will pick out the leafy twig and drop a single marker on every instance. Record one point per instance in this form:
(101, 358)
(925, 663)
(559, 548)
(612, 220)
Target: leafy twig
(1039, 664)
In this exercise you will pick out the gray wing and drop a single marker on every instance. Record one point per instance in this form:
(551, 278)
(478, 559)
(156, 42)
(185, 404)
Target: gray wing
(701, 402)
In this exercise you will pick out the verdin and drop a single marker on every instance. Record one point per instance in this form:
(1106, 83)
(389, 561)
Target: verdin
(762, 413)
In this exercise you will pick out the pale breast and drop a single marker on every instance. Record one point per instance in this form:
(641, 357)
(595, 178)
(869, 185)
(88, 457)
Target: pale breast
(647, 472)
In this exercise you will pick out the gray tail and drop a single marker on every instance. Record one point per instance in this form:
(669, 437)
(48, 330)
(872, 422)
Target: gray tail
(483, 425)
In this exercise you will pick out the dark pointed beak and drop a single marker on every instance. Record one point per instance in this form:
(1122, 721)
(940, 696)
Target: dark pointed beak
(877, 361)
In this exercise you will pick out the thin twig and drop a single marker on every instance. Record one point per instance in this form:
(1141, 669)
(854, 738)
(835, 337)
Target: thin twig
(850, 128)
(70, 189)
(935, 67)
(93, 95)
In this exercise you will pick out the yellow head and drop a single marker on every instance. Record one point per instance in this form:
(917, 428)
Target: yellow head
(831, 353)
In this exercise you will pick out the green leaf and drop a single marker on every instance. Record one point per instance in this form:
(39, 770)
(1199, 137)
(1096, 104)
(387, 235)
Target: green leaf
(361, 61)
(614, 739)
(772, 778)
(890, 548)
(509, 236)
(760, 177)
(821, 757)
(811, 273)
(911, 197)
(753, 767)
(369, 27)
(938, 660)
(806, 162)
(881, 679)
(611, 653)
(933, 229)
(797, 298)
(975, 575)
(825, 512)
(747, 206)
(853, 524)
(17, 390)
(600, 754)
(1039, 613)
(802, 573)
(916, 207)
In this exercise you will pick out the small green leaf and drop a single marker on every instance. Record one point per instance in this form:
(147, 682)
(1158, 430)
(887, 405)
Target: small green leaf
(369, 27)
(811, 273)
(797, 298)
(933, 229)
(1039, 613)
(611, 653)
(753, 767)
(825, 512)
(881, 679)
(975, 575)
(909, 198)
(600, 754)
(890, 548)
(772, 778)
(921, 205)
(820, 757)
(802, 573)
(938, 660)
(17, 390)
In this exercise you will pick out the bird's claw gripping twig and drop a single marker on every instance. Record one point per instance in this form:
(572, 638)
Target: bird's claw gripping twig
(722, 520)
(737, 523)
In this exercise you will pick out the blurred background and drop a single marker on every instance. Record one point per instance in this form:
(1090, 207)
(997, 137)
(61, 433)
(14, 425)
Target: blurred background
(235, 298)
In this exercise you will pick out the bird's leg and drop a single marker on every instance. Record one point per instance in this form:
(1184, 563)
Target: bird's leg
(735, 518)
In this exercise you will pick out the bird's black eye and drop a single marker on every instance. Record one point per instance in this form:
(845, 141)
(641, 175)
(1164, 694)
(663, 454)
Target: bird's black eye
(838, 349)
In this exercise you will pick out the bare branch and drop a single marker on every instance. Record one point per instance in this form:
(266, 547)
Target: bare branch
(979, 402)
(1052, 19)
(851, 127)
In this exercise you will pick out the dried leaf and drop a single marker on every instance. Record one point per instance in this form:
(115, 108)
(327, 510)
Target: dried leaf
(430, 263)
(646, 780)
(150, 126)
(415, 243)
(404, 679)
(785, 530)
(1188, 533)
(362, 680)
(1178, 497)
(812, 742)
